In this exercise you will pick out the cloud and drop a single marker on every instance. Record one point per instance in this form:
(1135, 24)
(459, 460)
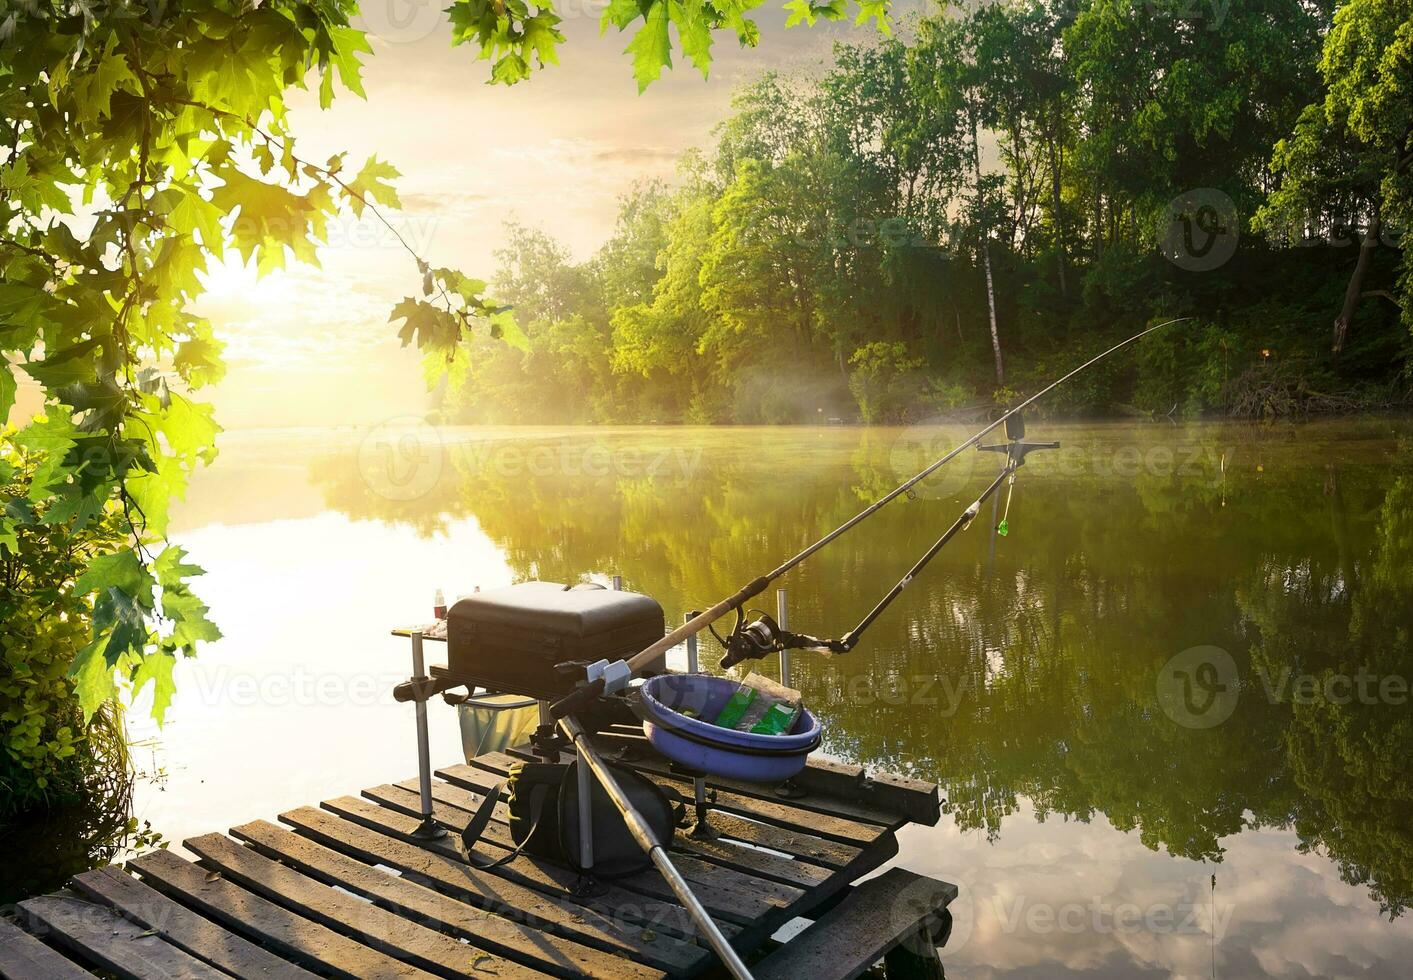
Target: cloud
(443, 201)
(643, 155)
(1071, 898)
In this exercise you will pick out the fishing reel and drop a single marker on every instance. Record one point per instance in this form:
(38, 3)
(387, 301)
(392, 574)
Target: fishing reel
(764, 636)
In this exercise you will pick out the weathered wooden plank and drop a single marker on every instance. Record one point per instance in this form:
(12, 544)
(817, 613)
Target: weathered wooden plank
(100, 936)
(805, 847)
(372, 925)
(543, 951)
(497, 894)
(22, 957)
(849, 938)
(792, 817)
(182, 927)
(746, 859)
(774, 812)
(496, 834)
(292, 935)
(560, 883)
(724, 891)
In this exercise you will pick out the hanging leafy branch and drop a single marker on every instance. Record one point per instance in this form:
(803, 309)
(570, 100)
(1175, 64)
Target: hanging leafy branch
(140, 142)
(518, 37)
(138, 146)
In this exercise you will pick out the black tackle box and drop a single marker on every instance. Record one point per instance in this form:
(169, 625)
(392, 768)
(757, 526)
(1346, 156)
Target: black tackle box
(509, 640)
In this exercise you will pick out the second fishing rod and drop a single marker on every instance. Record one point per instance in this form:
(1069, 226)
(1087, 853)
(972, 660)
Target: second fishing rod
(604, 677)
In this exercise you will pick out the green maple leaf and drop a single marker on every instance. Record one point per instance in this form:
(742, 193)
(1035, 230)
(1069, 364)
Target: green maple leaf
(156, 667)
(190, 429)
(124, 619)
(504, 327)
(470, 20)
(8, 388)
(348, 44)
(172, 569)
(371, 185)
(876, 11)
(270, 218)
(118, 570)
(15, 176)
(651, 49)
(468, 289)
(67, 366)
(94, 90)
(693, 31)
(93, 677)
(801, 12)
(198, 360)
(542, 36)
(103, 400)
(430, 326)
(51, 435)
(619, 13)
(510, 69)
(154, 491)
(190, 624)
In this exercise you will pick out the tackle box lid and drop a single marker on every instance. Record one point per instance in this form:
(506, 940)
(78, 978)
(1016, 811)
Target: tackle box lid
(557, 608)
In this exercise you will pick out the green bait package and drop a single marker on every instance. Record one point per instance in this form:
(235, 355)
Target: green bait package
(761, 706)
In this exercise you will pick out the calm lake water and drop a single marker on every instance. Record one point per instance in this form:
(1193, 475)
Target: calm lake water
(1168, 710)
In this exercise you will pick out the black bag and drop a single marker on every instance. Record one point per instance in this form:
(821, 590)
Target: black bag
(543, 799)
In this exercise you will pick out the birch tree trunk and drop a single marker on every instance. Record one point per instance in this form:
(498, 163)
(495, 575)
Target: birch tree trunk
(985, 247)
(1354, 292)
(1056, 203)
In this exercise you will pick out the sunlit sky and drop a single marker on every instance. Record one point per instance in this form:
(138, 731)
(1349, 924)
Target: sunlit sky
(312, 346)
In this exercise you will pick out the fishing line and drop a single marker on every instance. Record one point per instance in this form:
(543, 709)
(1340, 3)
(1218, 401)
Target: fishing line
(1003, 527)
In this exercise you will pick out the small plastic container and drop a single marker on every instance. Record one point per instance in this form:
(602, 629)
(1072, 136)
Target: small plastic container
(703, 747)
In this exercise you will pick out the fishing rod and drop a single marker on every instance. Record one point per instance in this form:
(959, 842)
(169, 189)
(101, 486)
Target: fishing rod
(765, 635)
(604, 677)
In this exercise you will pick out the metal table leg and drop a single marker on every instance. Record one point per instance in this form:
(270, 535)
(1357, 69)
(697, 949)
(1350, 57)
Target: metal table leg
(427, 829)
(701, 829)
(789, 789)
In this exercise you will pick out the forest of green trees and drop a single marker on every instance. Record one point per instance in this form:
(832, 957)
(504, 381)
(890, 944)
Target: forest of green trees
(930, 225)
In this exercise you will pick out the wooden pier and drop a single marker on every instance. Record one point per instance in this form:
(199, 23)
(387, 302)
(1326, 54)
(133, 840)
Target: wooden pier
(346, 889)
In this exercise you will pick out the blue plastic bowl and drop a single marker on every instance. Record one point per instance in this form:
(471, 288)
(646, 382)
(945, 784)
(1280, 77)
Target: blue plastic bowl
(704, 747)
